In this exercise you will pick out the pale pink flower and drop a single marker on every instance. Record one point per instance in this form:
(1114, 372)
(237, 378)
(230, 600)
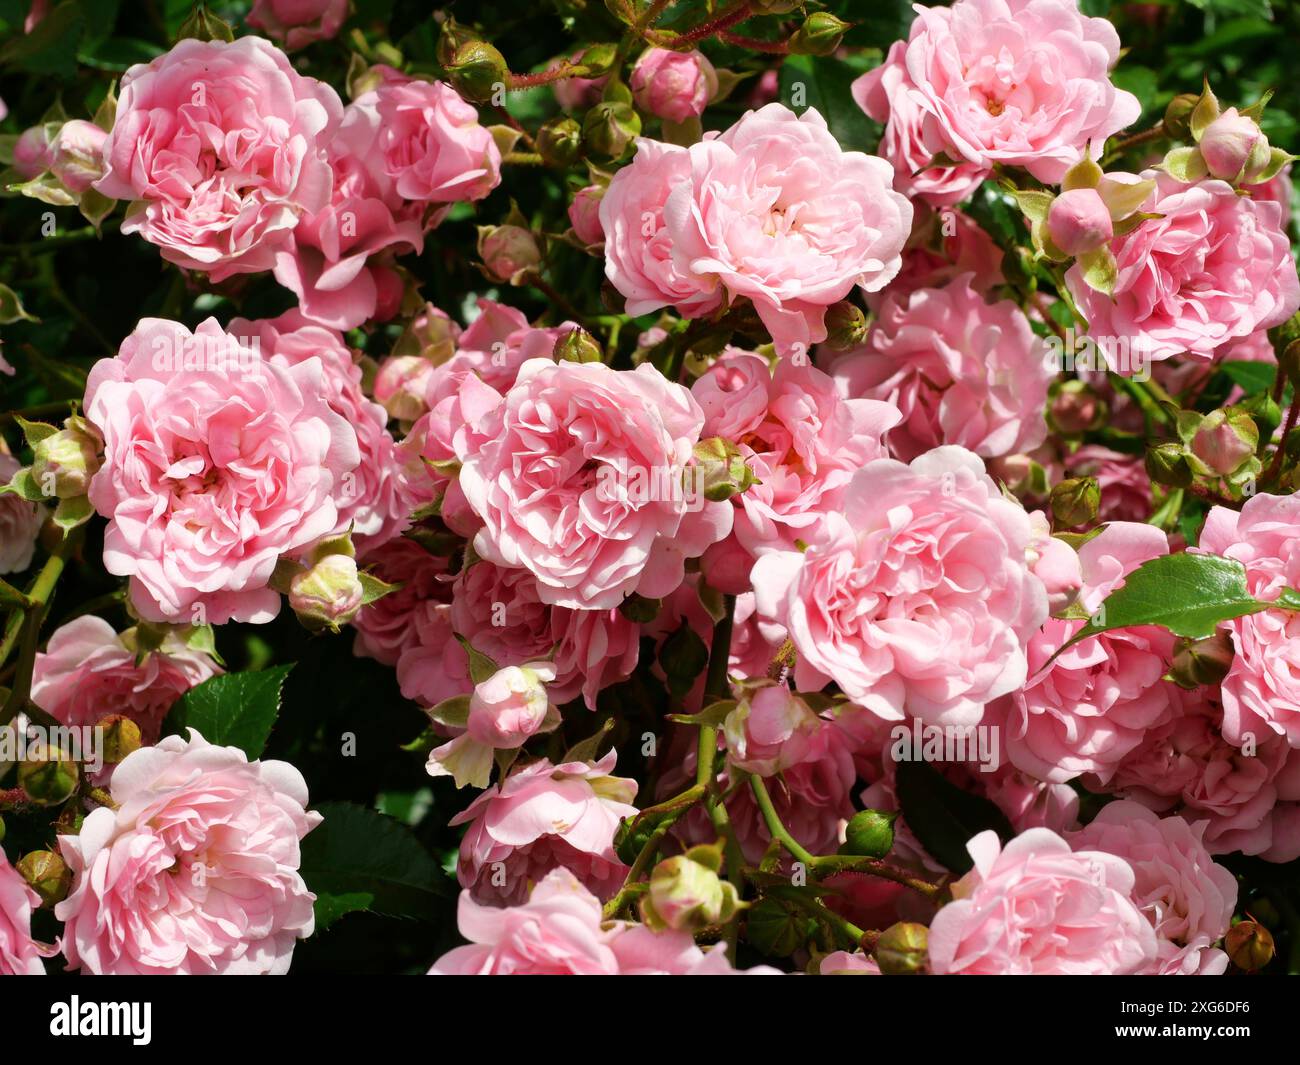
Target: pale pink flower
(195, 872)
(584, 214)
(20, 955)
(77, 155)
(298, 23)
(672, 85)
(20, 522)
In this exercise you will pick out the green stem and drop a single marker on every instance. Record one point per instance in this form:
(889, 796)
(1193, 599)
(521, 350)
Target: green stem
(828, 865)
(41, 591)
(774, 825)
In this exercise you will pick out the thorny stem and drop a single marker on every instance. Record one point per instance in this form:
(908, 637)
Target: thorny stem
(41, 590)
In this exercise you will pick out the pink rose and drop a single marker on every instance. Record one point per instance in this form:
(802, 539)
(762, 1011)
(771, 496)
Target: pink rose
(943, 246)
(885, 95)
(1055, 563)
(802, 441)
(671, 85)
(376, 499)
(217, 463)
(918, 598)
(195, 872)
(960, 370)
(1091, 706)
(77, 155)
(20, 523)
(1079, 221)
(540, 817)
(33, 154)
(88, 672)
(1035, 907)
(385, 628)
(770, 730)
(584, 214)
(1186, 896)
(579, 474)
(1261, 693)
(842, 963)
(222, 148)
(559, 931)
(19, 953)
(1213, 268)
(298, 22)
(1015, 82)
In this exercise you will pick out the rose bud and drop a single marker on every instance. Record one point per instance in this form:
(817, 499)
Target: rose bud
(1179, 113)
(687, 894)
(511, 706)
(1075, 501)
(1203, 661)
(432, 335)
(673, 85)
(1226, 438)
(820, 34)
(328, 594)
(1074, 408)
(1054, 562)
(121, 737)
(902, 948)
(577, 345)
(1233, 144)
(559, 141)
(64, 462)
(720, 470)
(1167, 464)
(584, 214)
(1079, 222)
(32, 152)
(846, 326)
(610, 127)
(870, 834)
(1250, 945)
(400, 386)
(508, 252)
(49, 781)
(47, 874)
(770, 730)
(77, 155)
(477, 69)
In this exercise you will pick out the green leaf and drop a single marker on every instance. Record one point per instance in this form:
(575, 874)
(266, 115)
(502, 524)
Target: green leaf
(11, 307)
(232, 709)
(713, 715)
(51, 47)
(359, 859)
(1253, 377)
(372, 588)
(942, 816)
(72, 512)
(683, 657)
(822, 82)
(481, 667)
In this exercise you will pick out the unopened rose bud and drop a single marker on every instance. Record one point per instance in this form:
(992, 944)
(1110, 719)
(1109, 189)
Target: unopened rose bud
(431, 335)
(770, 730)
(720, 470)
(1232, 145)
(121, 737)
(610, 127)
(49, 781)
(1250, 945)
(1079, 222)
(33, 153)
(511, 706)
(671, 85)
(64, 462)
(1226, 438)
(1075, 501)
(400, 386)
(508, 251)
(78, 155)
(640, 609)
(687, 894)
(577, 345)
(450, 38)
(47, 874)
(584, 214)
(846, 325)
(476, 69)
(598, 59)
(1167, 464)
(870, 834)
(1204, 661)
(1075, 408)
(1179, 113)
(902, 949)
(820, 34)
(559, 141)
(328, 594)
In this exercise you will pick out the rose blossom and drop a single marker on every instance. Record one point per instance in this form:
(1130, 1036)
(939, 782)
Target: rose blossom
(195, 871)
(1035, 907)
(1214, 267)
(217, 463)
(567, 471)
(918, 598)
(540, 817)
(770, 730)
(1261, 693)
(671, 85)
(1055, 563)
(885, 95)
(20, 522)
(1085, 711)
(1015, 82)
(221, 146)
(88, 672)
(560, 931)
(298, 22)
(960, 370)
(19, 953)
(772, 209)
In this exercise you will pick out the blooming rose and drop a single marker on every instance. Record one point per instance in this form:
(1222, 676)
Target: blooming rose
(559, 932)
(772, 209)
(1186, 896)
(298, 22)
(1088, 708)
(88, 672)
(884, 94)
(673, 85)
(1212, 268)
(578, 473)
(540, 817)
(1261, 692)
(384, 627)
(19, 953)
(196, 871)
(1035, 907)
(1015, 82)
(918, 598)
(216, 464)
(222, 148)
(20, 522)
(960, 370)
